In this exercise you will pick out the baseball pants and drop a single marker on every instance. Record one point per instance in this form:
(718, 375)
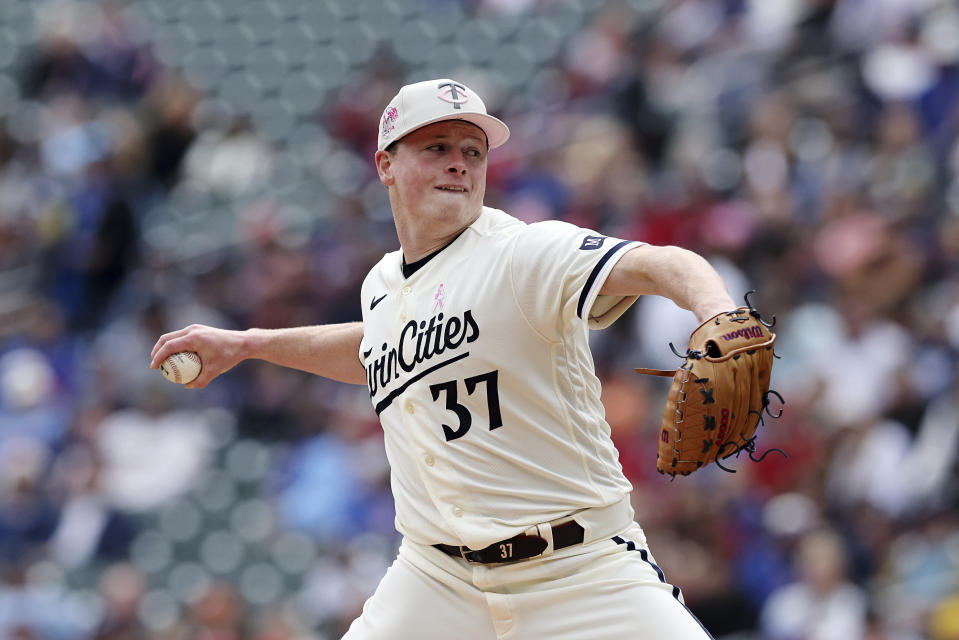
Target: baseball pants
(609, 589)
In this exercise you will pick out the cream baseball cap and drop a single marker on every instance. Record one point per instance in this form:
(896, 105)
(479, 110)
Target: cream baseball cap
(423, 103)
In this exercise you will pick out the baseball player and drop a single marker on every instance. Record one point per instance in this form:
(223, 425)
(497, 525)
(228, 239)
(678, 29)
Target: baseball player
(510, 498)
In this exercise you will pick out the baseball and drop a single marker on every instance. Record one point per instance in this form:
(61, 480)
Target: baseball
(181, 367)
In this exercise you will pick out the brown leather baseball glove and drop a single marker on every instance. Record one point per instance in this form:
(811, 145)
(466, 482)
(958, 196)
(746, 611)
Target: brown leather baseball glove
(718, 394)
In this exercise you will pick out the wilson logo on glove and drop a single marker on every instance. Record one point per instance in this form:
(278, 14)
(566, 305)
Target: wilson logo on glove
(746, 332)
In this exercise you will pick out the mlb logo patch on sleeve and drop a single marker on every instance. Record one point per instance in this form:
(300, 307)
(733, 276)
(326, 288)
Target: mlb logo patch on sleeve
(592, 242)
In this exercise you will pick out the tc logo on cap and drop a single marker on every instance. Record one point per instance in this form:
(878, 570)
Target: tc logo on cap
(451, 95)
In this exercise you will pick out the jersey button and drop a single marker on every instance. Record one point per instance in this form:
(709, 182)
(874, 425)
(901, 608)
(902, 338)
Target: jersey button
(403, 318)
(458, 512)
(407, 291)
(429, 460)
(409, 407)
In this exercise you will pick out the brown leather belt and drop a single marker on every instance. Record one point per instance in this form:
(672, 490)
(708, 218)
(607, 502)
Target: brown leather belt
(521, 547)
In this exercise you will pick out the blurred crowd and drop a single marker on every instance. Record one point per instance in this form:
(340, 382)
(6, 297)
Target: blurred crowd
(153, 174)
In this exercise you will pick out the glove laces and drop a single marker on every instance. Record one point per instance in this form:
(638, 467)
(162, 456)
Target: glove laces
(749, 444)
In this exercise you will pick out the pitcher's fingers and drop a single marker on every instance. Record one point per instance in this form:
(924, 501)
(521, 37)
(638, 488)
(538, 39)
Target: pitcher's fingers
(163, 340)
(168, 348)
(153, 354)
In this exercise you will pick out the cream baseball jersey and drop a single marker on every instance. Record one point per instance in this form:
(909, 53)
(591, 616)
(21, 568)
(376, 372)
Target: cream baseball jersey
(478, 366)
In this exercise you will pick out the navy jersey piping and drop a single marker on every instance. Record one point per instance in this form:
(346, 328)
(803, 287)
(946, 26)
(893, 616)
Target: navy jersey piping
(595, 273)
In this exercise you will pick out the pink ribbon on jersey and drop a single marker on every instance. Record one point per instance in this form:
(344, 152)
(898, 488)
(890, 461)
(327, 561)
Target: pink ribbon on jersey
(438, 298)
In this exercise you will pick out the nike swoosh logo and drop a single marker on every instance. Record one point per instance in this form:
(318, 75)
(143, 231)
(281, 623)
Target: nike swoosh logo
(376, 301)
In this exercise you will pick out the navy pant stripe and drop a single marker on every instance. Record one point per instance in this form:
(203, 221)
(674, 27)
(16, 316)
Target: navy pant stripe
(644, 554)
(659, 572)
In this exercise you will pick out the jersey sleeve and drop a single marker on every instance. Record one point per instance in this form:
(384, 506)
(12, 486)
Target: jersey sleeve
(557, 270)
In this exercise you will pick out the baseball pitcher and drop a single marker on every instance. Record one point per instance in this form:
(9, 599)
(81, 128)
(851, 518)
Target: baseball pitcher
(510, 498)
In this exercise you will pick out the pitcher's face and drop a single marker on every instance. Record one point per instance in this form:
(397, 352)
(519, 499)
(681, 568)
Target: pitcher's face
(438, 173)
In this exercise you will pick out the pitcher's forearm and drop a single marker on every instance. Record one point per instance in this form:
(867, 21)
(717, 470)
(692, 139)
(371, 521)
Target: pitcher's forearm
(329, 350)
(672, 272)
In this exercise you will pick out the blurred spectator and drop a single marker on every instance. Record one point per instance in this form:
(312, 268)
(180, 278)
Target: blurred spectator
(27, 514)
(865, 453)
(33, 608)
(332, 485)
(31, 405)
(121, 588)
(171, 104)
(151, 454)
(821, 605)
(931, 468)
(218, 614)
(89, 529)
(228, 162)
(920, 571)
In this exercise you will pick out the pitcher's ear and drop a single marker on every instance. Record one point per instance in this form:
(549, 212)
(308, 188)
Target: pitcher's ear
(384, 167)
